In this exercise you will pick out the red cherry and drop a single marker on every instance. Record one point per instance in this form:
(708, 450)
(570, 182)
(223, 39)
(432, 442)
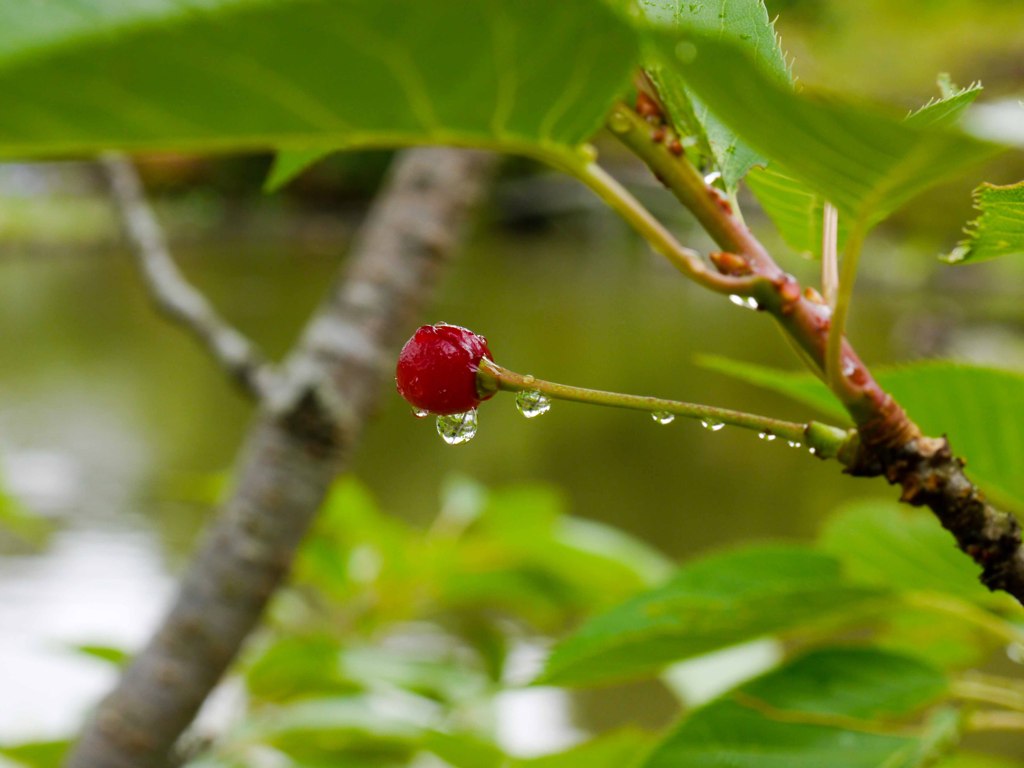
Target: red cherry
(437, 369)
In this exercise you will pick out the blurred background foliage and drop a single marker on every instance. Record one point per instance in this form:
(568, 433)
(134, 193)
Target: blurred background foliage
(112, 423)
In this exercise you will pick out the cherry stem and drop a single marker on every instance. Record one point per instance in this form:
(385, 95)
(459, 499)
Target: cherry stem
(826, 441)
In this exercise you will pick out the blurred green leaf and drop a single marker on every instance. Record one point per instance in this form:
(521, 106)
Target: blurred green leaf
(317, 730)
(17, 519)
(460, 750)
(624, 748)
(308, 74)
(524, 554)
(865, 161)
(746, 25)
(941, 638)
(889, 544)
(106, 653)
(799, 385)
(711, 603)
(999, 230)
(968, 760)
(37, 754)
(449, 679)
(978, 408)
(296, 665)
(822, 709)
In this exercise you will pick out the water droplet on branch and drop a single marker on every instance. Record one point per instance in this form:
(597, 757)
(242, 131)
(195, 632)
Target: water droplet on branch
(457, 428)
(420, 413)
(712, 424)
(532, 403)
(766, 436)
(747, 302)
(663, 417)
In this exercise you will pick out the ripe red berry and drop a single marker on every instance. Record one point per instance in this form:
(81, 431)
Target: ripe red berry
(437, 369)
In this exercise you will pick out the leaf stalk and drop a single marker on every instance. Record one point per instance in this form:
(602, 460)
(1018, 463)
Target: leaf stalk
(823, 440)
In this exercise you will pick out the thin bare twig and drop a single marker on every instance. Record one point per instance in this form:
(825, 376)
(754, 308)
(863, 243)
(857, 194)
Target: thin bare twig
(169, 289)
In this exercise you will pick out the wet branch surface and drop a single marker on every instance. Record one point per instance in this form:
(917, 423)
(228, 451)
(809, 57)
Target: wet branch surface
(891, 444)
(304, 435)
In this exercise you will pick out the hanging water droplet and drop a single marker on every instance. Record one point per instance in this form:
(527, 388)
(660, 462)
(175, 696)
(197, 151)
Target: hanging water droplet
(532, 403)
(745, 302)
(663, 417)
(766, 436)
(420, 413)
(712, 424)
(620, 122)
(712, 177)
(813, 451)
(457, 428)
(792, 443)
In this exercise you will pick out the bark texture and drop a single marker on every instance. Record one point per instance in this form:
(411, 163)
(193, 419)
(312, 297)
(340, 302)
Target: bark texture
(303, 437)
(930, 475)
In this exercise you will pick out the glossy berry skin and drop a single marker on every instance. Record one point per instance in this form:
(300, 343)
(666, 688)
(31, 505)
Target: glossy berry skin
(437, 369)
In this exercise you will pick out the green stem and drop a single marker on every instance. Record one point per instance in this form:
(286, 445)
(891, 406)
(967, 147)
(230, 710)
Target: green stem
(684, 259)
(719, 218)
(824, 440)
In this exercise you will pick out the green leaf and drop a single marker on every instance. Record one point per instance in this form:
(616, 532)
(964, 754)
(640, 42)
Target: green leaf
(622, 748)
(948, 108)
(119, 657)
(978, 408)
(15, 518)
(744, 23)
(294, 666)
(821, 709)
(712, 603)
(889, 544)
(999, 230)
(37, 754)
(308, 74)
(316, 731)
(865, 161)
(619, 749)
(970, 760)
(797, 210)
(290, 163)
(799, 385)
(460, 750)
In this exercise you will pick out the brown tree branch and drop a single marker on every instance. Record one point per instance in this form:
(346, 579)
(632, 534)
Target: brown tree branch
(171, 292)
(891, 444)
(303, 437)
